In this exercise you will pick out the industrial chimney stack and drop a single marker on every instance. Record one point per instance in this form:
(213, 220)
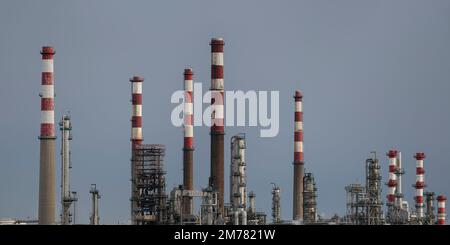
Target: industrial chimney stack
(392, 183)
(188, 149)
(441, 209)
(298, 158)
(420, 184)
(136, 137)
(47, 178)
(217, 121)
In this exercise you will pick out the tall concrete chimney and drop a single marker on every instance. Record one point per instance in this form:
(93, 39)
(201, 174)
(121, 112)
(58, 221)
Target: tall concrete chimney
(217, 121)
(47, 178)
(188, 149)
(298, 158)
(136, 137)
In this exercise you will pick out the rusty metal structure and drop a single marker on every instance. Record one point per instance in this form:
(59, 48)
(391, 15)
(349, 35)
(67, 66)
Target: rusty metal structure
(149, 195)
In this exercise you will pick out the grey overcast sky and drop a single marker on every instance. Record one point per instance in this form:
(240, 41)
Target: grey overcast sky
(374, 74)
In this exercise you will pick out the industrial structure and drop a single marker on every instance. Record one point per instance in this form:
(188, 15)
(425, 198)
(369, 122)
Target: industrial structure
(67, 197)
(276, 204)
(419, 185)
(309, 199)
(364, 205)
(47, 176)
(254, 217)
(95, 196)
(151, 205)
(150, 185)
(441, 209)
(298, 158)
(217, 121)
(238, 186)
(430, 217)
(188, 149)
(136, 138)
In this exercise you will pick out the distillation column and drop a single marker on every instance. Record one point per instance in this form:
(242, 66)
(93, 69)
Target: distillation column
(238, 191)
(47, 178)
(238, 186)
(276, 205)
(398, 190)
(217, 121)
(188, 149)
(420, 184)
(298, 158)
(66, 197)
(136, 137)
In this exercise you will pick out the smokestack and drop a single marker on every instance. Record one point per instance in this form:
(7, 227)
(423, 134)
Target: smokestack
(420, 184)
(136, 136)
(298, 158)
(188, 149)
(392, 183)
(47, 201)
(217, 120)
(441, 209)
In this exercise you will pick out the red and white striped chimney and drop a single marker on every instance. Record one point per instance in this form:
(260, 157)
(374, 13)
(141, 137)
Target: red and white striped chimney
(217, 121)
(47, 178)
(188, 149)
(441, 209)
(298, 158)
(188, 109)
(136, 137)
(420, 183)
(392, 183)
(136, 114)
(47, 94)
